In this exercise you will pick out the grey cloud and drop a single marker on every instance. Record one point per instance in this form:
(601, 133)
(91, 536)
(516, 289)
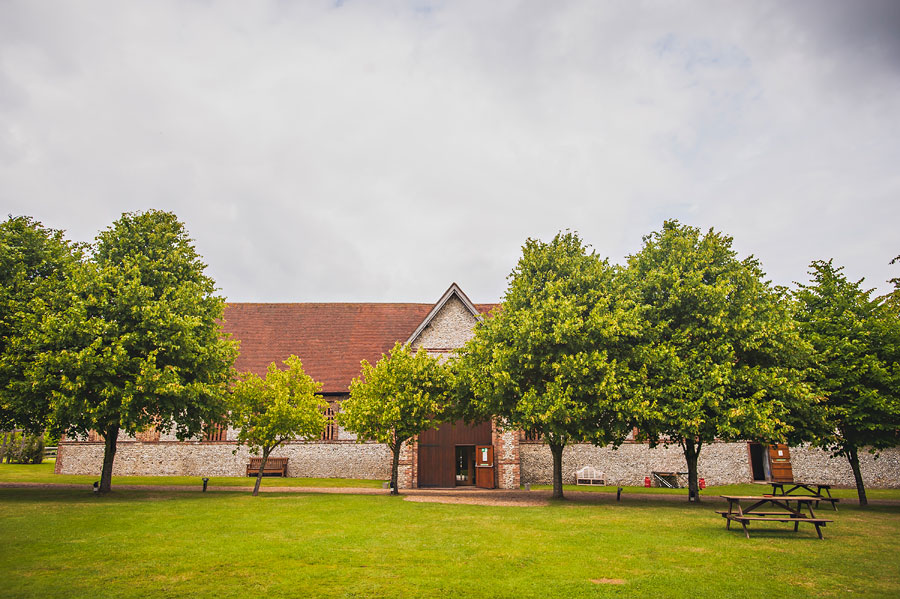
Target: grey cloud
(379, 150)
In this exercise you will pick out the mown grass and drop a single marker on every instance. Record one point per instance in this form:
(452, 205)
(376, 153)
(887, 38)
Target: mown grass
(134, 543)
(43, 473)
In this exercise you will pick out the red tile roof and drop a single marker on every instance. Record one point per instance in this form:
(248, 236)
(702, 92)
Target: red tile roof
(330, 339)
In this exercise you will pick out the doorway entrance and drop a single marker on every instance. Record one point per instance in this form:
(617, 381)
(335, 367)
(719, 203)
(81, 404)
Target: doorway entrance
(758, 462)
(446, 454)
(465, 465)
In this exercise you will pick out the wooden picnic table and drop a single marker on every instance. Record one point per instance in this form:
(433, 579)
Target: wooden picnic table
(753, 508)
(805, 490)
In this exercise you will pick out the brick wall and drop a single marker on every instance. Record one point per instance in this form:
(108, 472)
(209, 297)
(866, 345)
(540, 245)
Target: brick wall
(506, 457)
(407, 468)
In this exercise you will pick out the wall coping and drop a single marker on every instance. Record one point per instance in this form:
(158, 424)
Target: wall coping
(205, 443)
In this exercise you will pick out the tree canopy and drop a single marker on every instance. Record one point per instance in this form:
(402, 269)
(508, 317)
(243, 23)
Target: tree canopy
(554, 360)
(856, 370)
(282, 407)
(36, 265)
(722, 355)
(139, 343)
(892, 299)
(404, 394)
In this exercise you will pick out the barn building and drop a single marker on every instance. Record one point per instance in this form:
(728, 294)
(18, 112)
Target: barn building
(332, 338)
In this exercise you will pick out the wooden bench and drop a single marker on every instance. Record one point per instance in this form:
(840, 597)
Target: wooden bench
(274, 467)
(756, 512)
(798, 488)
(771, 517)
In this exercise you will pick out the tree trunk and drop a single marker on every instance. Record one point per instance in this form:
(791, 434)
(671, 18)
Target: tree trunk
(691, 454)
(853, 457)
(110, 437)
(395, 466)
(262, 466)
(557, 450)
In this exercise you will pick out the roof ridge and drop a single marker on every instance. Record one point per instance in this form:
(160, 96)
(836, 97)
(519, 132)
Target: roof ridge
(329, 303)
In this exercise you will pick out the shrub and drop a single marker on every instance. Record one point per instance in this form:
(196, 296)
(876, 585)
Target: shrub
(19, 448)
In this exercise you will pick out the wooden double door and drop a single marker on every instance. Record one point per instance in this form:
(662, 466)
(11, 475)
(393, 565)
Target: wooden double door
(770, 462)
(447, 454)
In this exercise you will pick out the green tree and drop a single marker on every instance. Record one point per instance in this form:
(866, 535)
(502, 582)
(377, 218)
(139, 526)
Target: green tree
(404, 394)
(36, 264)
(722, 355)
(856, 343)
(553, 360)
(282, 407)
(139, 344)
(892, 299)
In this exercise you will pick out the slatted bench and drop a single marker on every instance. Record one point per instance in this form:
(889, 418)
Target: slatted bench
(589, 476)
(274, 467)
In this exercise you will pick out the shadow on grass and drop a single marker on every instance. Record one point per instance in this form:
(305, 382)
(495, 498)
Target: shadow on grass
(125, 494)
(87, 495)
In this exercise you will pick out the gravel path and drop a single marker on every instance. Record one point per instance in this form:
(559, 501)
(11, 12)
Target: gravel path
(470, 496)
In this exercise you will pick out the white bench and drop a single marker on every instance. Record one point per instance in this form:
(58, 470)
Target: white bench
(589, 476)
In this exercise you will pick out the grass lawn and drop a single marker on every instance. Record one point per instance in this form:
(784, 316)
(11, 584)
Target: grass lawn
(136, 543)
(43, 473)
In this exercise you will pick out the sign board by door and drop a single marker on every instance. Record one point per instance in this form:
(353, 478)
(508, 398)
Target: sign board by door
(780, 463)
(484, 466)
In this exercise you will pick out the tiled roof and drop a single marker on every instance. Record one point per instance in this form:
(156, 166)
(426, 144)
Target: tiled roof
(330, 339)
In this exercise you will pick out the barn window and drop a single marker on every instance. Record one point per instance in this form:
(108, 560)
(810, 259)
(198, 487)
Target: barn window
(215, 432)
(331, 428)
(531, 436)
(150, 435)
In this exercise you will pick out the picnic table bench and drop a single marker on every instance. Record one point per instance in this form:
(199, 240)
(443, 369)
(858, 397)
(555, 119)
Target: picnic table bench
(274, 466)
(779, 510)
(805, 490)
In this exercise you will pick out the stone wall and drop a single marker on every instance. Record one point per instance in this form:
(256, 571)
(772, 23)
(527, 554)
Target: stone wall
(450, 328)
(719, 464)
(817, 465)
(318, 460)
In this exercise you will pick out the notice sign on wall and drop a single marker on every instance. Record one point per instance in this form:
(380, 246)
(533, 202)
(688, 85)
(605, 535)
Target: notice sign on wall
(484, 456)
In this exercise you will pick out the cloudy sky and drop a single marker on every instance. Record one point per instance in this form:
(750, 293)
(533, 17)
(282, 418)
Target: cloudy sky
(378, 151)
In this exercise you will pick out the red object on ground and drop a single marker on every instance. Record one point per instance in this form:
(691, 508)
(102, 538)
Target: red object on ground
(647, 481)
(702, 483)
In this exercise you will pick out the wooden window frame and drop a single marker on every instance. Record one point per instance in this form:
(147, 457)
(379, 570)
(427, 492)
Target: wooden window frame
(214, 433)
(331, 427)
